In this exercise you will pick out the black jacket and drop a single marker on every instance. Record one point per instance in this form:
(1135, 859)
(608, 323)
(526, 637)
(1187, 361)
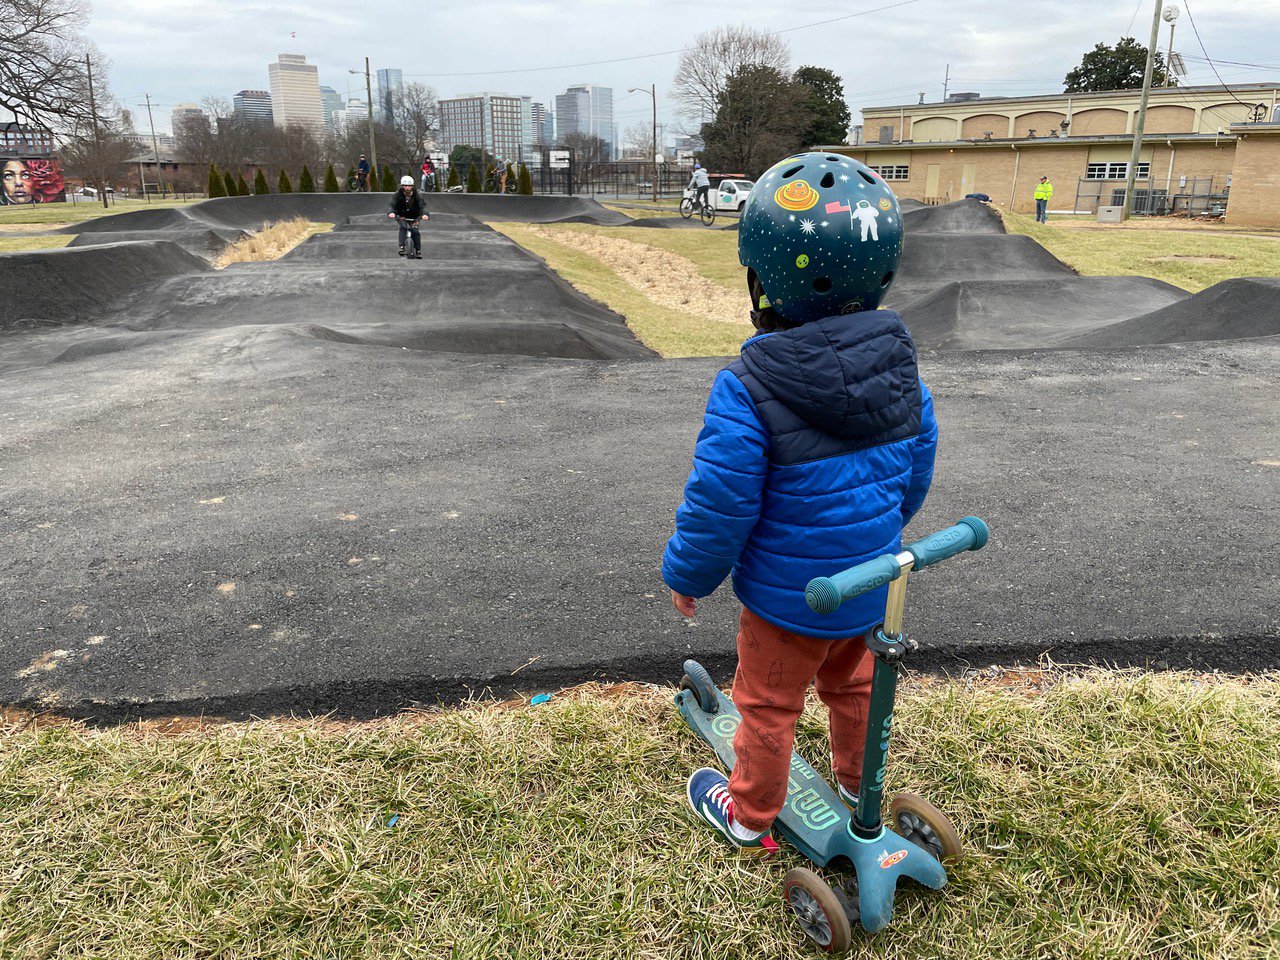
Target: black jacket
(411, 206)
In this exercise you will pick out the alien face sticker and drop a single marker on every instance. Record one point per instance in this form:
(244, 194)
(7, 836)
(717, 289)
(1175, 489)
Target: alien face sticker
(885, 203)
(796, 195)
(802, 261)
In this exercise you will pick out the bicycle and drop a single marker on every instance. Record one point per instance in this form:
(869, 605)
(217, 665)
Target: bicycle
(406, 225)
(706, 212)
(355, 183)
(492, 185)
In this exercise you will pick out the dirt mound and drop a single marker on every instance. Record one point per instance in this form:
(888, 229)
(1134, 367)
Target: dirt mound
(1028, 314)
(206, 243)
(963, 216)
(1238, 309)
(932, 258)
(79, 284)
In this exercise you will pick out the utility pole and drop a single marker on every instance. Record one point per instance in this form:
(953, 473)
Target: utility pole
(1171, 14)
(946, 83)
(368, 92)
(97, 142)
(653, 92)
(155, 147)
(1140, 124)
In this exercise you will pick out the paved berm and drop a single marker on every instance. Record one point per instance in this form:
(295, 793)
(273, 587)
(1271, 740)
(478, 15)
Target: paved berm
(347, 482)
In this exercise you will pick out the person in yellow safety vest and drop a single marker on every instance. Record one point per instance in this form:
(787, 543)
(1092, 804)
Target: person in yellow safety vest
(1044, 192)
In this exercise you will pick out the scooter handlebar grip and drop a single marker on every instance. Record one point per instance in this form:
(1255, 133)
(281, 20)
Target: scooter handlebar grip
(825, 594)
(969, 534)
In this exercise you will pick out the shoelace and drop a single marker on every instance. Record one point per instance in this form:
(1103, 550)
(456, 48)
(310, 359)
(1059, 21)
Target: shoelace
(723, 799)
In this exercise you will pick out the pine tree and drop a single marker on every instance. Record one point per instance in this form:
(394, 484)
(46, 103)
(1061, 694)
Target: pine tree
(351, 172)
(473, 180)
(260, 184)
(453, 175)
(526, 181)
(285, 185)
(229, 183)
(489, 178)
(306, 183)
(242, 188)
(388, 178)
(373, 179)
(330, 180)
(216, 187)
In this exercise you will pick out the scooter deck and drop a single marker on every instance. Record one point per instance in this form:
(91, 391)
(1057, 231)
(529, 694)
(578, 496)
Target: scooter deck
(816, 822)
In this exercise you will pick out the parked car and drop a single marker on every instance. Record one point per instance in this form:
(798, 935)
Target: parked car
(729, 194)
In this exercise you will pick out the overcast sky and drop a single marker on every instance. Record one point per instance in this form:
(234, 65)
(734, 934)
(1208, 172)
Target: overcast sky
(183, 50)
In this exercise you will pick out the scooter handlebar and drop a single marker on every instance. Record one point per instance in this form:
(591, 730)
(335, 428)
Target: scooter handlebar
(826, 594)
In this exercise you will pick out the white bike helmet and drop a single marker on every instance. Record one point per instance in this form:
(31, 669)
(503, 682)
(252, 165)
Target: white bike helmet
(406, 181)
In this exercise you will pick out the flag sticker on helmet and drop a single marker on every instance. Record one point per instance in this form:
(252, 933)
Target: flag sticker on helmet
(838, 206)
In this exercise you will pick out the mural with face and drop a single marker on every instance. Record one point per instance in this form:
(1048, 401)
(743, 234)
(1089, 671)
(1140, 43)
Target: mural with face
(31, 181)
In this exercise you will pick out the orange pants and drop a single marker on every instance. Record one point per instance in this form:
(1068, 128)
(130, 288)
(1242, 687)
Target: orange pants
(775, 668)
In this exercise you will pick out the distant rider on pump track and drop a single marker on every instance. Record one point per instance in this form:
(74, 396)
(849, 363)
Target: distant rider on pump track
(408, 206)
(702, 182)
(362, 173)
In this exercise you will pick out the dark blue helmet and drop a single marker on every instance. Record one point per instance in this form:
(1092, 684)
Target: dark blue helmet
(823, 235)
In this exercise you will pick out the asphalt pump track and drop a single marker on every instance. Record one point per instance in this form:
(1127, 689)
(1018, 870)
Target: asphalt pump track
(347, 482)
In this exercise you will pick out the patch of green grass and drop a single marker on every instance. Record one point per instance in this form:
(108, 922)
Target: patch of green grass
(1191, 259)
(82, 209)
(10, 244)
(666, 331)
(1110, 817)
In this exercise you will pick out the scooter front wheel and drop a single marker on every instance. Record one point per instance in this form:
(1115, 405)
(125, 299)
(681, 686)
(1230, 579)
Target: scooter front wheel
(699, 682)
(918, 820)
(818, 911)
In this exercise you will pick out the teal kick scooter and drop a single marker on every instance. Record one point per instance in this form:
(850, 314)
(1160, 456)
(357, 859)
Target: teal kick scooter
(870, 854)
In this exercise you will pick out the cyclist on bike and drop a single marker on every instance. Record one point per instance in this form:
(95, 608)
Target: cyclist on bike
(409, 206)
(362, 173)
(428, 174)
(701, 182)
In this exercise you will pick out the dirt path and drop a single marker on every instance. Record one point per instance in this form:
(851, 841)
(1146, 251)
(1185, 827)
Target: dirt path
(665, 278)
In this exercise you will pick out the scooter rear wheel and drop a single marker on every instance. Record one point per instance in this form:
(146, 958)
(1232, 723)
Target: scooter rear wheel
(697, 680)
(818, 911)
(918, 820)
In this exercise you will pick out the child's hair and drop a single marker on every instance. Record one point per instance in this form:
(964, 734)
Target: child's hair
(763, 317)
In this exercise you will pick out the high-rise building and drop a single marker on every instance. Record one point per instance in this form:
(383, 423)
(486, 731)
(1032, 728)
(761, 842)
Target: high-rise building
(183, 112)
(253, 105)
(330, 102)
(295, 91)
(390, 93)
(543, 130)
(588, 109)
(498, 123)
(354, 111)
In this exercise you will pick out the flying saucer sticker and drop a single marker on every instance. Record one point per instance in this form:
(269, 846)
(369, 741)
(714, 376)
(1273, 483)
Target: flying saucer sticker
(796, 195)
(892, 859)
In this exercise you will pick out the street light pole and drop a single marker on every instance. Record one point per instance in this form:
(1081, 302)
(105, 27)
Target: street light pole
(155, 148)
(653, 92)
(368, 93)
(1140, 124)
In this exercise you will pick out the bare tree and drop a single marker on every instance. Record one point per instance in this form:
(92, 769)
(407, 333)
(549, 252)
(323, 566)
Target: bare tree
(418, 117)
(288, 147)
(42, 62)
(705, 68)
(638, 139)
(589, 155)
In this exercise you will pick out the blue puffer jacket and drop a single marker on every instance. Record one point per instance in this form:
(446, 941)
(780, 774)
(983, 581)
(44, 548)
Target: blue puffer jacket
(816, 451)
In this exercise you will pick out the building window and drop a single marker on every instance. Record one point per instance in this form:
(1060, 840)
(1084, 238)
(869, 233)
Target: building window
(893, 172)
(1115, 171)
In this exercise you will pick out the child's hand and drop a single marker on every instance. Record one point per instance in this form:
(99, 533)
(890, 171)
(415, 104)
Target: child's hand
(685, 606)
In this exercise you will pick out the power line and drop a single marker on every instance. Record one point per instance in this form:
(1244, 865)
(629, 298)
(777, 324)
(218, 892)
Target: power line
(1196, 30)
(664, 53)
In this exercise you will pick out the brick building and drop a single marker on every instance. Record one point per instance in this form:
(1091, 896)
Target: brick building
(1203, 148)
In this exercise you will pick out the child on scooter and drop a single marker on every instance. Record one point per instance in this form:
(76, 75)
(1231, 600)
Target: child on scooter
(817, 448)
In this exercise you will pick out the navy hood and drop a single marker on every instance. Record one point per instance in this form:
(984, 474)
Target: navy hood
(852, 376)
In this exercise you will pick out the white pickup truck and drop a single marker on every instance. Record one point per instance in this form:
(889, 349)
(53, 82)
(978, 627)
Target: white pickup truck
(728, 195)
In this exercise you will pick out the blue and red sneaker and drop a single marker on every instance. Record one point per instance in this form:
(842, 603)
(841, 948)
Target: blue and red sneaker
(708, 793)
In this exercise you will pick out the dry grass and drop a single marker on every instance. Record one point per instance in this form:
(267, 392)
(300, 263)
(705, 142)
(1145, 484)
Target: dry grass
(272, 242)
(663, 276)
(1186, 256)
(25, 244)
(1107, 817)
(672, 332)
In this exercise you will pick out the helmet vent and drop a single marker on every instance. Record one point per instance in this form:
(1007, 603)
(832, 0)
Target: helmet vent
(887, 279)
(829, 179)
(867, 177)
(834, 159)
(822, 284)
(788, 174)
